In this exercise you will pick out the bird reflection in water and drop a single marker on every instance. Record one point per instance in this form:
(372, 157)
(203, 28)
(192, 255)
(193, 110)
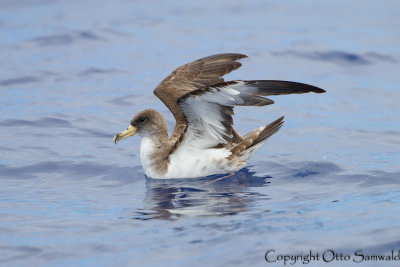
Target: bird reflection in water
(171, 199)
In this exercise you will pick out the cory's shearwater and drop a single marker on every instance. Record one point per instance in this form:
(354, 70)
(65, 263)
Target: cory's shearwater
(204, 141)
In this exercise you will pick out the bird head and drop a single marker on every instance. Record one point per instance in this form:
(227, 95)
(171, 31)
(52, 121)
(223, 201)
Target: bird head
(146, 122)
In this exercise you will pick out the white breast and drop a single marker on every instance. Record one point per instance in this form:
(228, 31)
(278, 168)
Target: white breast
(188, 161)
(146, 148)
(191, 161)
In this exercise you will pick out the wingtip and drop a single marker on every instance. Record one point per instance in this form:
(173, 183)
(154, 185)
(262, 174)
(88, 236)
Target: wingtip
(280, 120)
(277, 123)
(238, 56)
(319, 90)
(241, 57)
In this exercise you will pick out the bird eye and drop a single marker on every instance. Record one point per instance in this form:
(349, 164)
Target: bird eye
(142, 120)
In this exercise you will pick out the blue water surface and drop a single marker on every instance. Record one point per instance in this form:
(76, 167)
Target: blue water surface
(73, 73)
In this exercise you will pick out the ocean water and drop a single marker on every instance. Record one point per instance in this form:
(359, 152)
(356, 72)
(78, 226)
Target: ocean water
(73, 73)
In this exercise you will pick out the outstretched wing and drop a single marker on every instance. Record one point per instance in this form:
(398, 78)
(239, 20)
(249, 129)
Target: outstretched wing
(209, 110)
(201, 73)
(202, 103)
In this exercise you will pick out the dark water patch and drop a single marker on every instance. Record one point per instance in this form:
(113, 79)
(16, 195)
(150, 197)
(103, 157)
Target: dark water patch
(126, 100)
(92, 133)
(368, 179)
(41, 149)
(54, 40)
(392, 132)
(322, 173)
(129, 100)
(20, 80)
(30, 171)
(66, 38)
(74, 170)
(115, 32)
(40, 76)
(94, 71)
(315, 167)
(151, 215)
(305, 173)
(53, 255)
(21, 4)
(331, 56)
(88, 35)
(122, 175)
(47, 122)
(191, 189)
(10, 253)
(381, 57)
(3, 148)
(48, 73)
(339, 57)
(296, 170)
(383, 248)
(375, 178)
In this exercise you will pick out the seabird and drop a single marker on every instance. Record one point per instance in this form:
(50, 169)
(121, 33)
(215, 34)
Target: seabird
(204, 141)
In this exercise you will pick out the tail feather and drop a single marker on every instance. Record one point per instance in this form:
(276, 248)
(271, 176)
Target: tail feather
(269, 130)
(256, 137)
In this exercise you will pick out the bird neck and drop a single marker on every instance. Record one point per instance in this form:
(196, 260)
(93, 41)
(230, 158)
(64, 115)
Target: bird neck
(154, 154)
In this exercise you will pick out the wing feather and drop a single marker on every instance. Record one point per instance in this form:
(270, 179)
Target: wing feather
(209, 110)
(200, 73)
(202, 102)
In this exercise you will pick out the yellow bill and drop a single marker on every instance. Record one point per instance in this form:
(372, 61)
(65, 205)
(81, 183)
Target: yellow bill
(128, 132)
